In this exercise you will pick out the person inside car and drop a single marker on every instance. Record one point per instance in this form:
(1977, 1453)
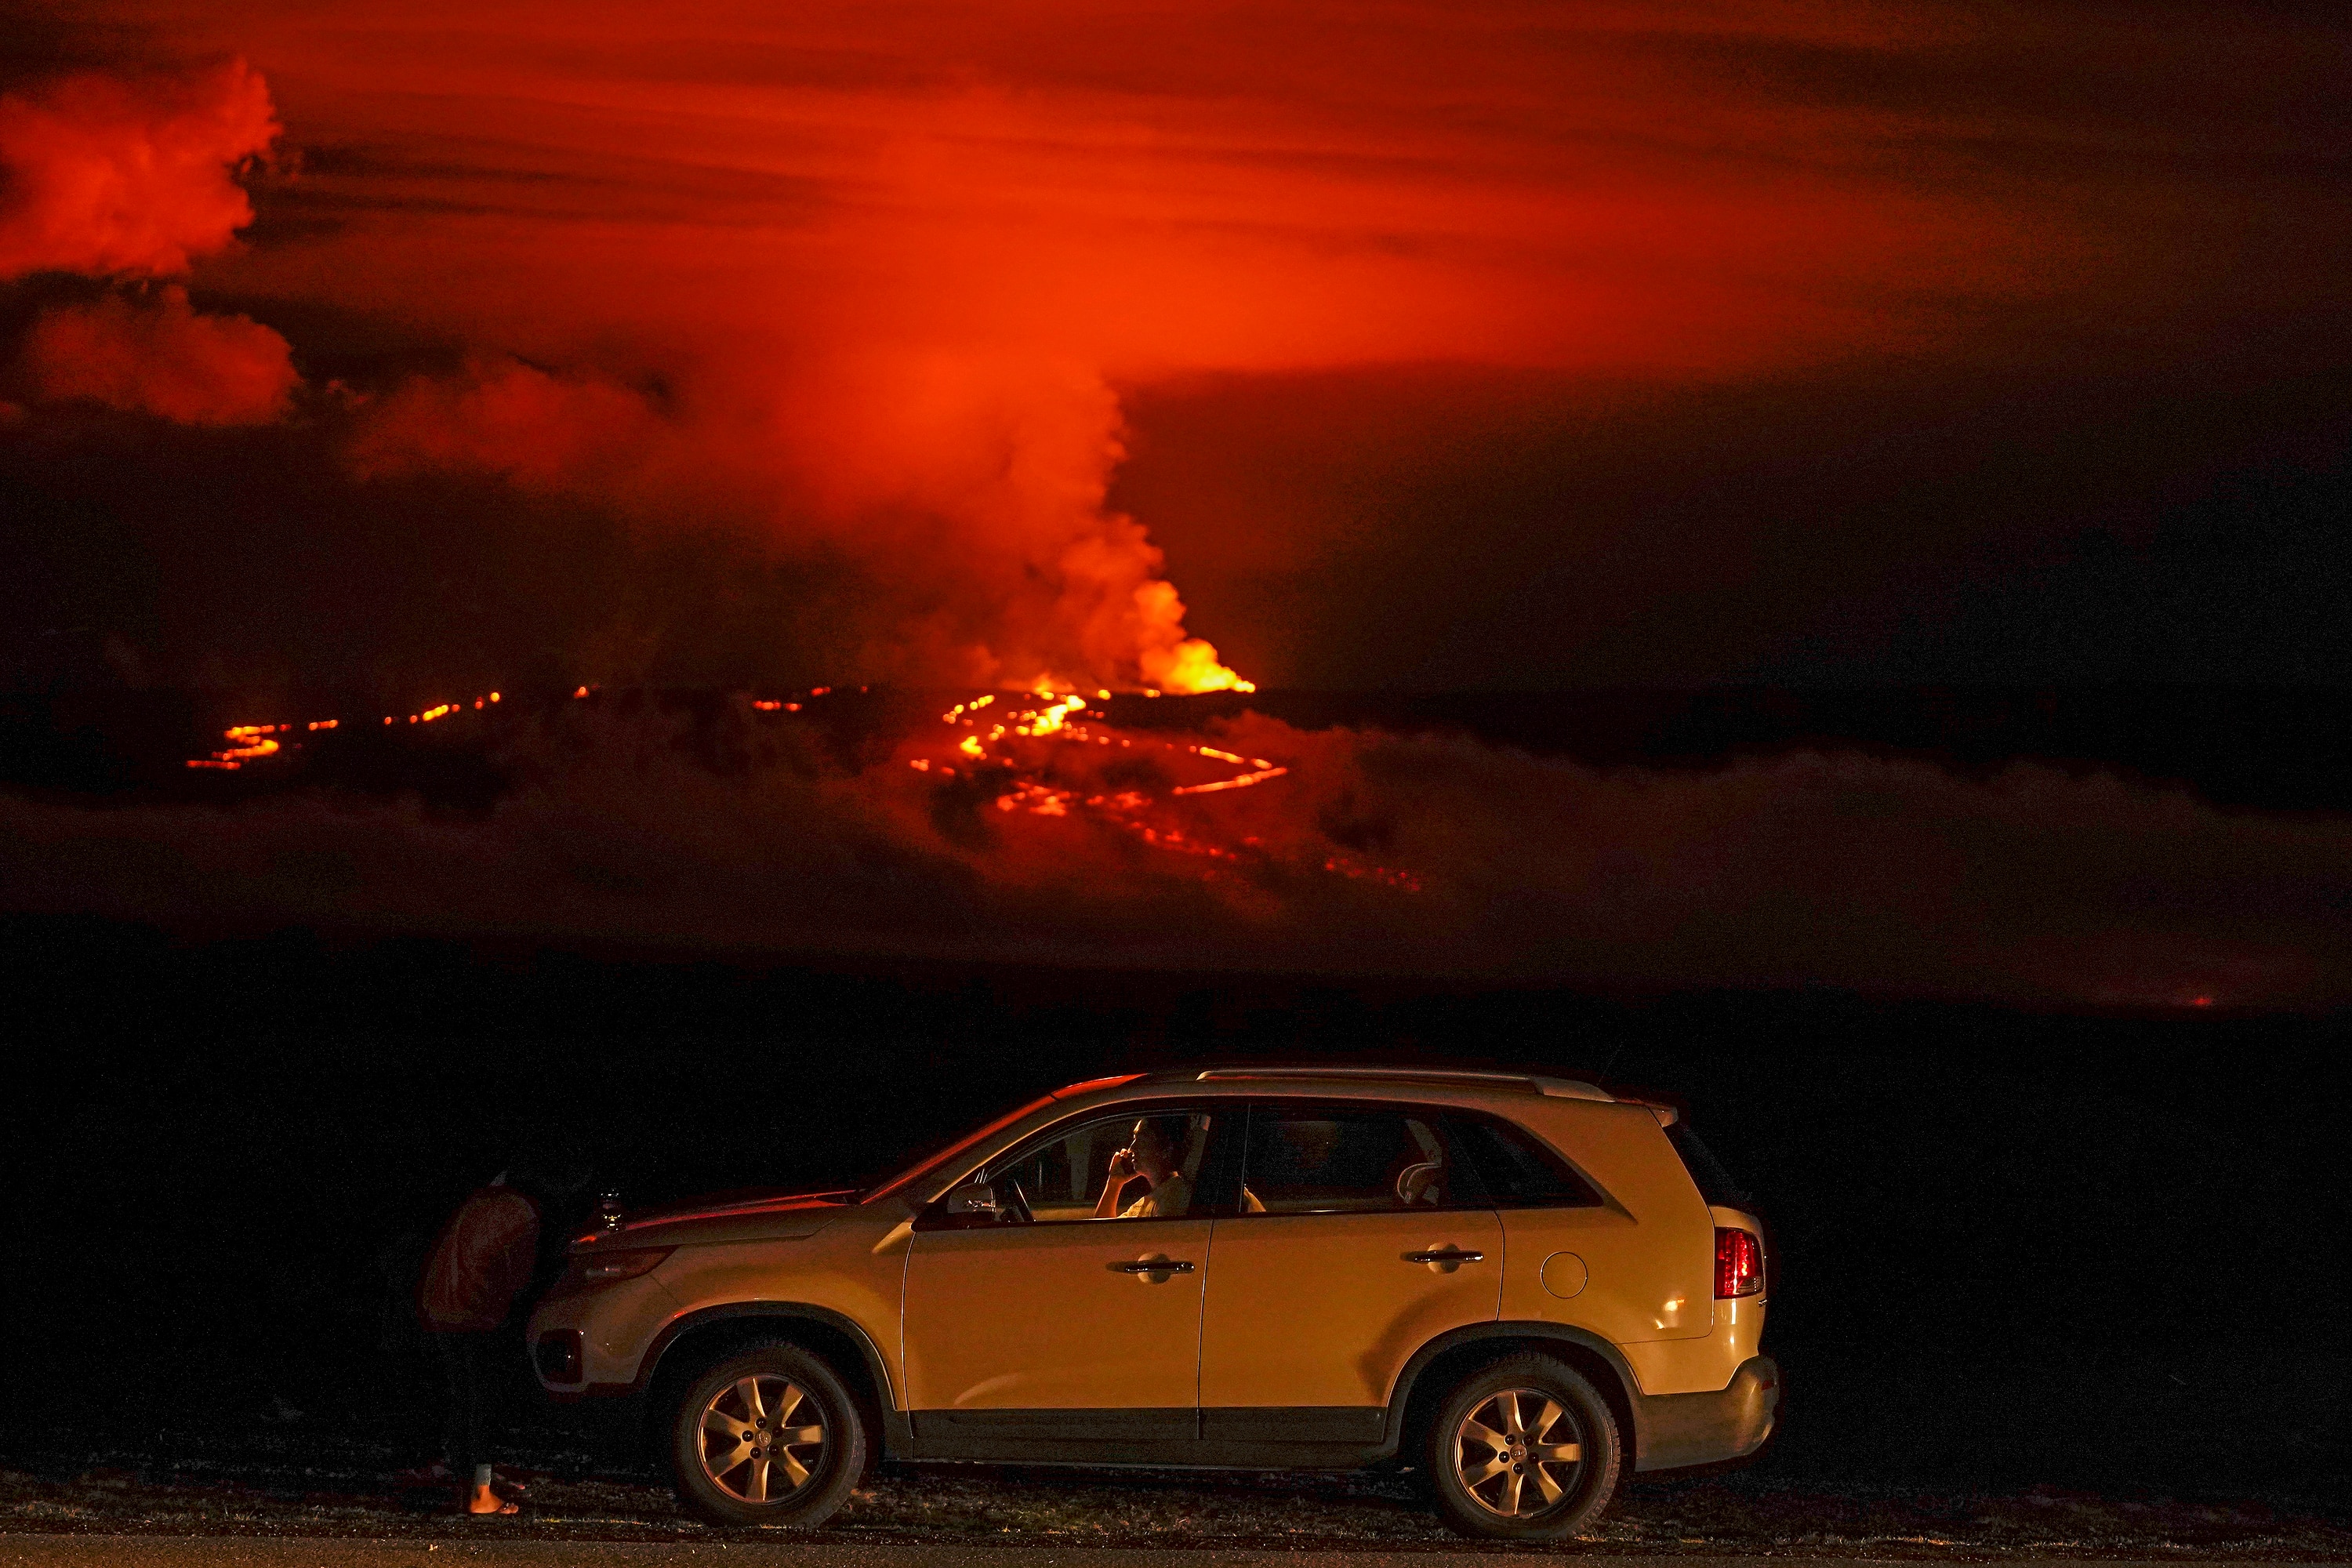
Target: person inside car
(1151, 1153)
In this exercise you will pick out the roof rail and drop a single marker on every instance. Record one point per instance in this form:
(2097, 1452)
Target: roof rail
(1556, 1087)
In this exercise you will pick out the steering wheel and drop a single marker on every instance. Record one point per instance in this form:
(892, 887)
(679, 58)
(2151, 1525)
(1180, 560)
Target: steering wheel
(1013, 1203)
(1418, 1184)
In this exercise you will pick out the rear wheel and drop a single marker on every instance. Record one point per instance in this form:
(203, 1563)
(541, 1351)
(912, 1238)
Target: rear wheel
(769, 1435)
(1525, 1449)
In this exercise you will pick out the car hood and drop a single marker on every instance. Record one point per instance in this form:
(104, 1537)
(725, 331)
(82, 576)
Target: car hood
(725, 1216)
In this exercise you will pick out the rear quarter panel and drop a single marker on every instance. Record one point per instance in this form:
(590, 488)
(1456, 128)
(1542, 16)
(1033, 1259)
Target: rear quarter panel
(1648, 1252)
(1697, 1366)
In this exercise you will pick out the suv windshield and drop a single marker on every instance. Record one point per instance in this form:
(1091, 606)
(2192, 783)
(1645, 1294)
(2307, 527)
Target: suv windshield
(886, 1188)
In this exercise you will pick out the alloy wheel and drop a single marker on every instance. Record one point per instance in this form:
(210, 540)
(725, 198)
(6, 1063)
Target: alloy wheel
(762, 1438)
(1516, 1453)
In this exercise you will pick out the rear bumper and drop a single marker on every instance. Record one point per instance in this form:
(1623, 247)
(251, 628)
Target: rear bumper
(1676, 1431)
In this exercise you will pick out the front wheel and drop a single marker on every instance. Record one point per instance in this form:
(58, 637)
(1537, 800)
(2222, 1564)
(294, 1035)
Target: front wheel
(769, 1435)
(1525, 1449)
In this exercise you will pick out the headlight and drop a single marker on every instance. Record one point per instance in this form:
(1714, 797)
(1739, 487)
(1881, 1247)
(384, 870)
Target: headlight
(604, 1267)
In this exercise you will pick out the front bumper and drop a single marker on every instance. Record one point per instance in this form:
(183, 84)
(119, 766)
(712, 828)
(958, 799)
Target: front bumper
(1676, 1431)
(612, 1325)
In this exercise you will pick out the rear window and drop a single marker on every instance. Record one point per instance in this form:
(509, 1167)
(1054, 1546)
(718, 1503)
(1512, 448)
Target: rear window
(1518, 1171)
(1346, 1160)
(1715, 1182)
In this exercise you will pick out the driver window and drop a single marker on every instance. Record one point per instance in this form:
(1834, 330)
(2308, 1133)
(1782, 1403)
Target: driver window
(1130, 1165)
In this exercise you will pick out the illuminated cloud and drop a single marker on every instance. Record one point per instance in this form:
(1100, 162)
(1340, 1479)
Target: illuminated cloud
(889, 271)
(541, 432)
(1145, 191)
(112, 177)
(130, 177)
(890, 285)
(160, 356)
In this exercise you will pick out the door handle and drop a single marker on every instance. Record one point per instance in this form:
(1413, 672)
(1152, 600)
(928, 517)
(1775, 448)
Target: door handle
(1445, 1255)
(1153, 1265)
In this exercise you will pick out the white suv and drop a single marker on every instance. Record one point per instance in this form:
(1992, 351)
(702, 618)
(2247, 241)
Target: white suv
(1512, 1284)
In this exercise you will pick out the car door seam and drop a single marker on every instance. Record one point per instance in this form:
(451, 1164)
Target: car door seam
(906, 1277)
(1502, 1259)
(1200, 1327)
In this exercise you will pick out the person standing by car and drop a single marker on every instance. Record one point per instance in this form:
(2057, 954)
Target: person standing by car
(482, 1264)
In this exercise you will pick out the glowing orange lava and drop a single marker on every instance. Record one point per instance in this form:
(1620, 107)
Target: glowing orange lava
(1005, 745)
(253, 742)
(1018, 742)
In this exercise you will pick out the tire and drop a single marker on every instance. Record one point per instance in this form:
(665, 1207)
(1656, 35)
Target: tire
(1551, 1467)
(769, 1435)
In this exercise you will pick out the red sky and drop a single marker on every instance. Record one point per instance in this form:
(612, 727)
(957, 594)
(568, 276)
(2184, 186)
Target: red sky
(439, 348)
(890, 288)
(1148, 191)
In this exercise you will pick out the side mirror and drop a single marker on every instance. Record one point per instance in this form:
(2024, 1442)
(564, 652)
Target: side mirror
(974, 1202)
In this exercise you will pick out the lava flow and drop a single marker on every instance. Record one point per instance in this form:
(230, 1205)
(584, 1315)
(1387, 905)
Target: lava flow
(1026, 827)
(1043, 754)
(250, 742)
(1039, 753)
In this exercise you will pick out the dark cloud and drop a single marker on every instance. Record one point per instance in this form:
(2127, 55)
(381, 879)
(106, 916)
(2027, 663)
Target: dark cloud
(1462, 530)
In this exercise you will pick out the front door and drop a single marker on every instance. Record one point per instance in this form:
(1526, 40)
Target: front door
(1359, 1242)
(1077, 1317)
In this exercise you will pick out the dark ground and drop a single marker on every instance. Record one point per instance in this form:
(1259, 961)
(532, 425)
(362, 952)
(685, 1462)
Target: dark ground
(968, 1506)
(2043, 1283)
(2039, 1279)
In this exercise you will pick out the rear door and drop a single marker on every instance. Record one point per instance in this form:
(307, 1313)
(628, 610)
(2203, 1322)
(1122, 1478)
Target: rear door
(1360, 1241)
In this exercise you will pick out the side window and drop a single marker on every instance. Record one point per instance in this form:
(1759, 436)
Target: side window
(1132, 1164)
(1519, 1169)
(1321, 1159)
(1715, 1182)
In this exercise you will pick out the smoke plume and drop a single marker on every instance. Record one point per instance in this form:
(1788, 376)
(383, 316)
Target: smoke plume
(131, 178)
(161, 357)
(111, 176)
(967, 492)
(540, 432)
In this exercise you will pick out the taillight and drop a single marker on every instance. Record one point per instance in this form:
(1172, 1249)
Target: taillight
(1739, 1262)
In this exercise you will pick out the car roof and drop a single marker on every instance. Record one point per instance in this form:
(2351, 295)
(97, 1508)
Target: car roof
(1340, 1075)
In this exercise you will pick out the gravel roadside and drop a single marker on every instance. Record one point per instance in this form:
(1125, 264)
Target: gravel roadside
(246, 1552)
(1740, 1515)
